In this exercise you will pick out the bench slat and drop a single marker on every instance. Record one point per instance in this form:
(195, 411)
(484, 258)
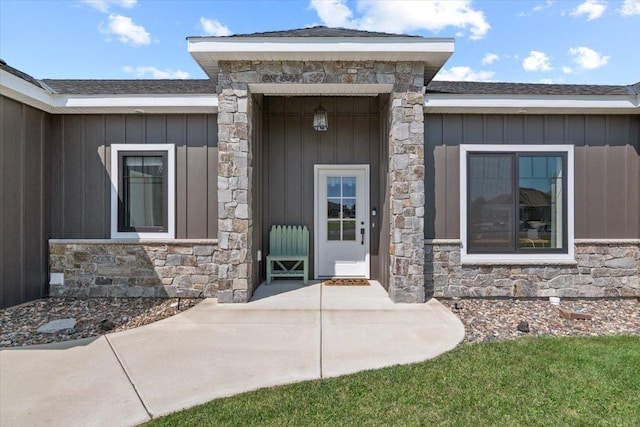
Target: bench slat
(288, 243)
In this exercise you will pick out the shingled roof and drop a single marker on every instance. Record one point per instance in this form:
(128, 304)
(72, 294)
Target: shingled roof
(490, 88)
(131, 87)
(24, 76)
(321, 31)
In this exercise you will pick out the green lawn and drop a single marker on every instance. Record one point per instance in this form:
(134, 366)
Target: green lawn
(527, 382)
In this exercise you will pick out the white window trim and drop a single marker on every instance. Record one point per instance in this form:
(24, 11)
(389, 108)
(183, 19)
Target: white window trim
(528, 258)
(171, 189)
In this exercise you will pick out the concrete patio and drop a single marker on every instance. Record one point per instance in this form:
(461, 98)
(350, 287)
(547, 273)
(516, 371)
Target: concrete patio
(287, 333)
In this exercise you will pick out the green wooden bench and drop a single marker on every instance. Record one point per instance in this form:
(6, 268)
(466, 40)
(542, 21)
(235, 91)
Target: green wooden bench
(288, 244)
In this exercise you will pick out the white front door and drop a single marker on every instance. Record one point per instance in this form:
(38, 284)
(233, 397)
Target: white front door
(342, 221)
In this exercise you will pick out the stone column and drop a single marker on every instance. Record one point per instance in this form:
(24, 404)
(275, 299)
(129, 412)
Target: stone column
(235, 225)
(406, 176)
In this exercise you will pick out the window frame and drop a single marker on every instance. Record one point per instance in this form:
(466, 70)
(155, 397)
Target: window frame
(521, 255)
(118, 151)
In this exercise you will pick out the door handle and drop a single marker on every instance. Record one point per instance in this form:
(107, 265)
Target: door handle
(362, 234)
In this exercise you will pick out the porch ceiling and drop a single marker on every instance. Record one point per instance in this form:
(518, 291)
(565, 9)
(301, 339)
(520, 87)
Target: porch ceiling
(208, 51)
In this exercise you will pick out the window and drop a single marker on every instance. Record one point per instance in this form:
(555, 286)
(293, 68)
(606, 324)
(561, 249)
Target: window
(516, 202)
(142, 191)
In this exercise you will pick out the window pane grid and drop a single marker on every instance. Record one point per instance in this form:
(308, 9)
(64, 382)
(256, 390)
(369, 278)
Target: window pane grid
(341, 208)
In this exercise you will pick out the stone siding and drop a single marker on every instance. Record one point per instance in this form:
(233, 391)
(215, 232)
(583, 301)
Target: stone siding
(603, 268)
(406, 159)
(113, 268)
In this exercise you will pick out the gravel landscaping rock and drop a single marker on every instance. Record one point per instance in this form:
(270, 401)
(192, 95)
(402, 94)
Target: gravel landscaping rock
(487, 320)
(94, 316)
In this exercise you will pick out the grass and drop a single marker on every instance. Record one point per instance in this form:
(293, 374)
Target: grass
(526, 382)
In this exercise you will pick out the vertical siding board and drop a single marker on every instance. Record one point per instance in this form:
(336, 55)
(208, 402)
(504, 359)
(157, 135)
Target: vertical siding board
(275, 197)
(452, 132)
(32, 158)
(633, 186)
(309, 159)
(440, 190)
(494, 129)
(554, 130)
(177, 134)
(372, 141)
(293, 168)
(13, 172)
(452, 193)
(432, 138)
(196, 170)
(134, 129)
(155, 129)
(581, 223)
(471, 130)
(344, 139)
(617, 193)
(95, 177)
(597, 199)
(534, 131)
(212, 176)
(596, 131)
(514, 133)
(57, 177)
(73, 164)
(4, 106)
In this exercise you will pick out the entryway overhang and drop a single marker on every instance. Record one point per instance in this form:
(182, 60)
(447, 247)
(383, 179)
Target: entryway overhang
(209, 51)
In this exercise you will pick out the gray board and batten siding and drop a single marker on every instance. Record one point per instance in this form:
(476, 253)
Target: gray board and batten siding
(607, 166)
(24, 202)
(80, 159)
(291, 148)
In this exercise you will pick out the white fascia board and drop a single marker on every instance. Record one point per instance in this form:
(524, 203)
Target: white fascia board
(437, 103)
(146, 103)
(16, 88)
(317, 48)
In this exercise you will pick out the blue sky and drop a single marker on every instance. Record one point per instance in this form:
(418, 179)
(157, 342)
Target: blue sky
(582, 41)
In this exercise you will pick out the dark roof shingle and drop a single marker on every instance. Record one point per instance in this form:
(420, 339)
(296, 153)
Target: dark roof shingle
(490, 88)
(322, 31)
(24, 76)
(131, 87)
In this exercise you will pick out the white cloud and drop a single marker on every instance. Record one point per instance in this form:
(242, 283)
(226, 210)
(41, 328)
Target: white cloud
(592, 8)
(155, 73)
(630, 8)
(333, 13)
(537, 8)
(490, 58)
(587, 58)
(465, 74)
(537, 61)
(567, 70)
(403, 16)
(104, 5)
(126, 31)
(214, 28)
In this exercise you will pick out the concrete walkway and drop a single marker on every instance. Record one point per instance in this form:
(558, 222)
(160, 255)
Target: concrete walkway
(287, 334)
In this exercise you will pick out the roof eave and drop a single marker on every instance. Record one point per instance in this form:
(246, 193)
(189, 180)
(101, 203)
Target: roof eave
(208, 51)
(529, 104)
(18, 89)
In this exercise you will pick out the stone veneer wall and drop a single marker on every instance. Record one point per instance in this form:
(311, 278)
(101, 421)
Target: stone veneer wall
(120, 268)
(603, 268)
(406, 164)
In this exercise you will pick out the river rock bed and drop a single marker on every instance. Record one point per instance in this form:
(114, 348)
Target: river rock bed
(94, 316)
(487, 320)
